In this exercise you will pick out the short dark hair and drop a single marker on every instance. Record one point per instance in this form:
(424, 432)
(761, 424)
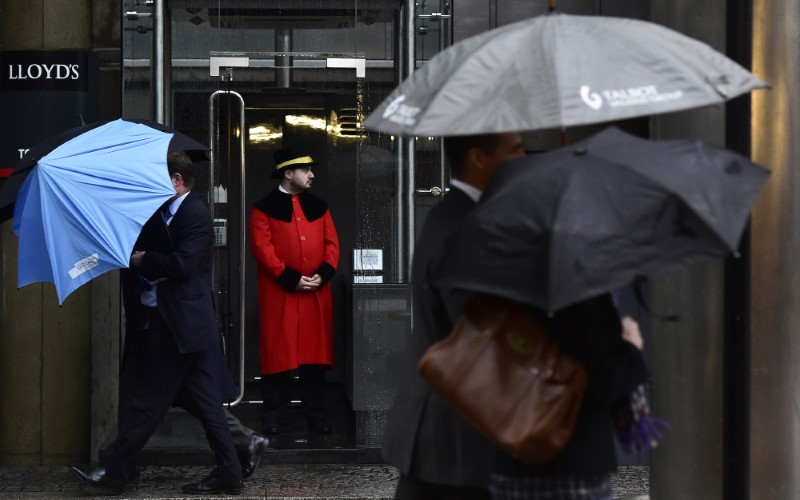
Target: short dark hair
(178, 162)
(456, 147)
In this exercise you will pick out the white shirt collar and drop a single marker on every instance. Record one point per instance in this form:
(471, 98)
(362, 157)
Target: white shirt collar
(176, 203)
(468, 189)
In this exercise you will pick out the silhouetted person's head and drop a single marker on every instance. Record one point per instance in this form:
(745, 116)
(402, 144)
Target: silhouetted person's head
(474, 158)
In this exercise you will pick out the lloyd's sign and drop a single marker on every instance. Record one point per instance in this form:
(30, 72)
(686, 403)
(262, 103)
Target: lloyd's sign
(43, 92)
(44, 70)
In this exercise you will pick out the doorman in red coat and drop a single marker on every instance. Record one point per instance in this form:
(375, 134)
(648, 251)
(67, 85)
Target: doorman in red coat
(294, 241)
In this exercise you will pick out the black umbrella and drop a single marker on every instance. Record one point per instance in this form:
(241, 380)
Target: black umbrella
(8, 195)
(559, 227)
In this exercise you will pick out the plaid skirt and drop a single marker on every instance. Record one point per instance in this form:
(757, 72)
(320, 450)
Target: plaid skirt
(550, 488)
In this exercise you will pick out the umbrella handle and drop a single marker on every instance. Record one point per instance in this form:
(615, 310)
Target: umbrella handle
(551, 5)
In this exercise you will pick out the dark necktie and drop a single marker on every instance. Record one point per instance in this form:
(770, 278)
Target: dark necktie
(167, 214)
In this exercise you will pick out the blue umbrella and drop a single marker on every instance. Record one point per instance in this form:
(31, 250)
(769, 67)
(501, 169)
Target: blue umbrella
(82, 207)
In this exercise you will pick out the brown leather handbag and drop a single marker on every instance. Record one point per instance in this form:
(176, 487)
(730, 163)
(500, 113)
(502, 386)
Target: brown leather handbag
(504, 374)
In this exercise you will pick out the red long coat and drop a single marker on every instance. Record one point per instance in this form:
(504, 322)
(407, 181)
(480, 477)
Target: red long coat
(293, 236)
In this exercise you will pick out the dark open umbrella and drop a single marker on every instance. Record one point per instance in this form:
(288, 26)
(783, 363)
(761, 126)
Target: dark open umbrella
(8, 195)
(559, 70)
(559, 227)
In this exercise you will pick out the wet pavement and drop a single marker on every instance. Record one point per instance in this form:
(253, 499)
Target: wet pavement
(270, 482)
(298, 465)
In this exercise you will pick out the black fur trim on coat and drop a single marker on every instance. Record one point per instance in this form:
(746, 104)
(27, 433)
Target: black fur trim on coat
(326, 272)
(289, 278)
(278, 205)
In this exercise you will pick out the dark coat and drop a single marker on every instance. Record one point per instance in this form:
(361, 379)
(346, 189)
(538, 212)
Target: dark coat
(175, 357)
(424, 437)
(590, 330)
(185, 300)
(155, 237)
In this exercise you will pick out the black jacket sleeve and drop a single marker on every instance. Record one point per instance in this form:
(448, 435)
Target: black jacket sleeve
(592, 332)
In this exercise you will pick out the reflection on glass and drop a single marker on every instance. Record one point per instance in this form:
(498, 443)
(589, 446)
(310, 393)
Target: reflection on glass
(306, 121)
(264, 134)
(346, 124)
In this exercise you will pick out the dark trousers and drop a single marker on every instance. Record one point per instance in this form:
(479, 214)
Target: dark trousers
(167, 374)
(276, 391)
(411, 488)
(242, 435)
(132, 363)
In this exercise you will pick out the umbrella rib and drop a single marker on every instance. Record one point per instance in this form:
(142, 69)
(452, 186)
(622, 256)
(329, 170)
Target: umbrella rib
(465, 59)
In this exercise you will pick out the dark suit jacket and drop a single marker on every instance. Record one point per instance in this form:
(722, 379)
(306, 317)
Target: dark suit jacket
(156, 237)
(185, 298)
(424, 438)
(184, 369)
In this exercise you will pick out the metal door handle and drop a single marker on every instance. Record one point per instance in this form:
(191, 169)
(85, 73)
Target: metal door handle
(434, 191)
(242, 214)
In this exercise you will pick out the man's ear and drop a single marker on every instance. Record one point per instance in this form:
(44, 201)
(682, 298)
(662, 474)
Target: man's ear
(475, 158)
(288, 174)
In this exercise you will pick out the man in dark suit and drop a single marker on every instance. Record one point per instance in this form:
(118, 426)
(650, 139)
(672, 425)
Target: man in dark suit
(178, 348)
(439, 455)
(249, 445)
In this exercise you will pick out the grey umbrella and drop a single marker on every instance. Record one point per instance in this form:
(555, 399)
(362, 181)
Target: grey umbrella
(559, 70)
(559, 227)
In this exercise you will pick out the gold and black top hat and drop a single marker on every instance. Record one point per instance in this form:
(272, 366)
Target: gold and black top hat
(291, 157)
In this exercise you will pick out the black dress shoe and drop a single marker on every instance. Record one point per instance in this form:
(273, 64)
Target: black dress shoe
(250, 456)
(319, 426)
(96, 477)
(214, 484)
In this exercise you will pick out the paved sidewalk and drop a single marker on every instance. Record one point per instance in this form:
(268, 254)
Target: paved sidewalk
(271, 482)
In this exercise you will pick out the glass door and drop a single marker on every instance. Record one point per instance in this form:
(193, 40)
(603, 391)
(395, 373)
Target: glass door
(248, 76)
(318, 106)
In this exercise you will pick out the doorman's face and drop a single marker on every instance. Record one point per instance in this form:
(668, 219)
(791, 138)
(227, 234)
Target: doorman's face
(301, 178)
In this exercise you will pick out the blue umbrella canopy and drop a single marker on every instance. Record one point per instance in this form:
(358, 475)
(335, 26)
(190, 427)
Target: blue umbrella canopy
(82, 207)
(8, 194)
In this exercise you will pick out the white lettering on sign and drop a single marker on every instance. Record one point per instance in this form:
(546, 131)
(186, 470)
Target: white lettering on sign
(43, 71)
(23, 152)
